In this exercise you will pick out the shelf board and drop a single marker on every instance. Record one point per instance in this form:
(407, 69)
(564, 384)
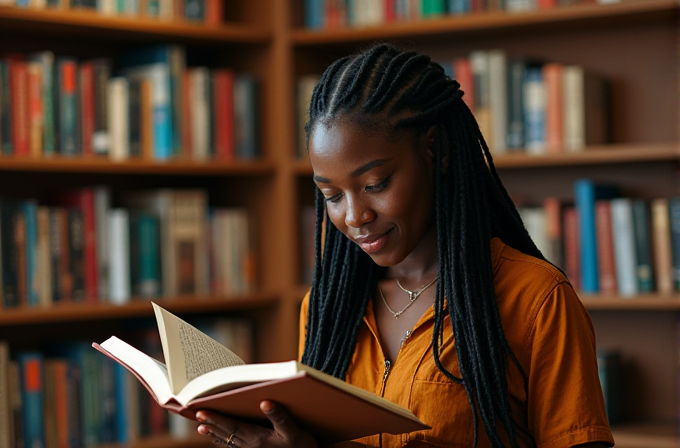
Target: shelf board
(641, 302)
(74, 312)
(646, 436)
(496, 21)
(132, 166)
(595, 155)
(82, 21)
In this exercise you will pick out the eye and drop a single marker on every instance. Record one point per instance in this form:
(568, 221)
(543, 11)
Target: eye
(334, 199)
(379, 187)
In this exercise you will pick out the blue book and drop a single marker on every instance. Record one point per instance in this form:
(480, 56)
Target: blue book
(32, 398)
(534, 97)
(674, 216)
(314, 14)
(145, 255)
(245, 117)
(459, 7)
(194, 10)
(586, 192)
(31, 219)
(164, 65)
(108, 402)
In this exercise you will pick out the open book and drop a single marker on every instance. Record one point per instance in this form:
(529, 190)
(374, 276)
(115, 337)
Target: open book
(201, 373)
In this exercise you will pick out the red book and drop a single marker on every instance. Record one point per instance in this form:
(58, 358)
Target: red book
(552, 76)
(83, 198)
(572, 256)
(87, 108)
(606, 264)
(223, 109)
(35, 108)
(547, 4)
(390, 11)
(462, 71)
(18, 74)
(214, 10)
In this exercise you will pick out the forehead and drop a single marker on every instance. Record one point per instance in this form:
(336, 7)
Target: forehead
(345, 146)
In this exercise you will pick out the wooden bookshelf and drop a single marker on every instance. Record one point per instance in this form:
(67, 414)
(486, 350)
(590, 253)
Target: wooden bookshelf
(574, 17)
(632, 42)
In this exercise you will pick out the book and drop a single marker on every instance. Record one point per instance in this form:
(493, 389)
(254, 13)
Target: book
(661, 245)
(586, 192)
(606, 260)
(190, 380)
(624, 246)
(643, 249)
(6, 439)
(32, 390)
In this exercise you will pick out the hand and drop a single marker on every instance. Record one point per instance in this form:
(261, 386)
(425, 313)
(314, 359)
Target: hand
(237, 434)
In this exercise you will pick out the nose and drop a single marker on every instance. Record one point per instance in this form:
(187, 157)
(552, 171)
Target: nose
(358, 213)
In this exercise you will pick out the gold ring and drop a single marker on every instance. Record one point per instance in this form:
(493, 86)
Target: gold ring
(230, 439)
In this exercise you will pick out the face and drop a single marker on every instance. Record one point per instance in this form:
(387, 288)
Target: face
(378, 191)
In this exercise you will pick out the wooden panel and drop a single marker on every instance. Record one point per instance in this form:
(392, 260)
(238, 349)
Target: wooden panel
(648, 341)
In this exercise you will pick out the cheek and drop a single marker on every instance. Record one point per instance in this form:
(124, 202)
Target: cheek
(337, 216)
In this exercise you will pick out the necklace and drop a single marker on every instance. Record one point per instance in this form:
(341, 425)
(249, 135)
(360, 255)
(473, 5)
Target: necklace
(412, 295)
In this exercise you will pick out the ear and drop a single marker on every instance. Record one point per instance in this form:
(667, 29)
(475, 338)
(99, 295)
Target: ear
(429, 136)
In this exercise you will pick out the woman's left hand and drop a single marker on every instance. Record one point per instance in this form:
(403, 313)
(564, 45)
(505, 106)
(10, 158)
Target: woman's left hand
(237, 434)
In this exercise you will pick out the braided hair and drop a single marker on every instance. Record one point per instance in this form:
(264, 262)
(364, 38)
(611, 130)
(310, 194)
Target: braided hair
(385, 89)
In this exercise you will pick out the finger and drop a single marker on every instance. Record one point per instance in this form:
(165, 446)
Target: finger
(216, 424)
(281, 420)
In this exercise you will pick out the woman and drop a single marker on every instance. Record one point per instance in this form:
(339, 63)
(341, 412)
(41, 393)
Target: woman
(424, 245)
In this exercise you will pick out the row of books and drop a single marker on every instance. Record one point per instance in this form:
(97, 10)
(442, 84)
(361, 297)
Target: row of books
(77, 247)
(208, 12)
(148, 105)
(521, 105)
(331, 14)
(70, 396)
(608, 243)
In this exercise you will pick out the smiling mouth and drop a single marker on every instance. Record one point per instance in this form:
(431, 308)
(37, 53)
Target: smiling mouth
(372, 244)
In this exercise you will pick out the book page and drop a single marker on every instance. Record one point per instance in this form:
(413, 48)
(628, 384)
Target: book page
(189, 352)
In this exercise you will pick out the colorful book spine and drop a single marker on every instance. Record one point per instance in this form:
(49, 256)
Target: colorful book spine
(643, 250)
(67, 82)
(30, 210)
(624, 246)
(662, 246)
(32, 398)
(606, 260)
(586, 192)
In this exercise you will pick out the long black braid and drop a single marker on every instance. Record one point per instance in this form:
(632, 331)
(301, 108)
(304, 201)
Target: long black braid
(388, 90)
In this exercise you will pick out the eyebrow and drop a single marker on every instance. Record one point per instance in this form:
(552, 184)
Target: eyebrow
(357, 172)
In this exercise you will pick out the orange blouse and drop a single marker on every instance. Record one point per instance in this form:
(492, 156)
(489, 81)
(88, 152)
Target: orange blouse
(549, 331)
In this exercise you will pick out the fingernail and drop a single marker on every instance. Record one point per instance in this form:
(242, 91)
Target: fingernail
(200, 417)
(202, 429)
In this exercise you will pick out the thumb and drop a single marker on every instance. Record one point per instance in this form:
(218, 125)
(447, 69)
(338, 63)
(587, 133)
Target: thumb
(281, 419)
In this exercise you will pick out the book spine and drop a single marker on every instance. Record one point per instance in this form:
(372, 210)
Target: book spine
(100, 135)
(6, 139)
(76, 228)
(674, 217)
(66, 282)
(149, 264)
(534, 110)
(662, 246)
(30, 210)
(624, 246)
(119, 270)
(585, 202)
(102, 204)
(6, 435)
(35, 108)
(515, 132)
(32, 391)
(118, 125)
(87, 107)
(135, 116)
(498, 99)
(643, 252)
(245, 113)
(552, 76)
(605, 247)
(20, 108)
(68, 107)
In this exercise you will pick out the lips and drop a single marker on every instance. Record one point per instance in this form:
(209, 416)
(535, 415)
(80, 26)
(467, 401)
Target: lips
(372, 243)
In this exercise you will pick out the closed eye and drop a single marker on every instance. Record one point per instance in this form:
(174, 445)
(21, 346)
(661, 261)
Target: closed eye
(379, 187)
(335, 198)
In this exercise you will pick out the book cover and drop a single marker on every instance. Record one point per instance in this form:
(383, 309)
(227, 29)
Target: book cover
(145, 255)
(87, 106)
(674, 219)
(479, 63)
(246, 117)
(100, 134)
(46, 60)
(586, 192)
(552, 77)
(85, 245)
(624, 246)
(32, 274)
(6, 139)
(76, 248)
(10, 210)
(515, 132)
(32, 396)
(117, 115)
(67, 105)
(20, 110)
(587, 113)
(535, 104)
(223, 112)
(226, 384)
(662, 246)
(119, 263)
(35, 108)
(606, 260)
(498, 100)
(643, 249)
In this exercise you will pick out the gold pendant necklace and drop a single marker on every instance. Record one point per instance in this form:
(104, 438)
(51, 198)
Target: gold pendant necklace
(412, 295)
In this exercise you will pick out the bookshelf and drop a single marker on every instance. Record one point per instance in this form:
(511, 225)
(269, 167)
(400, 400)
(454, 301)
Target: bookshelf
(634, 43)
